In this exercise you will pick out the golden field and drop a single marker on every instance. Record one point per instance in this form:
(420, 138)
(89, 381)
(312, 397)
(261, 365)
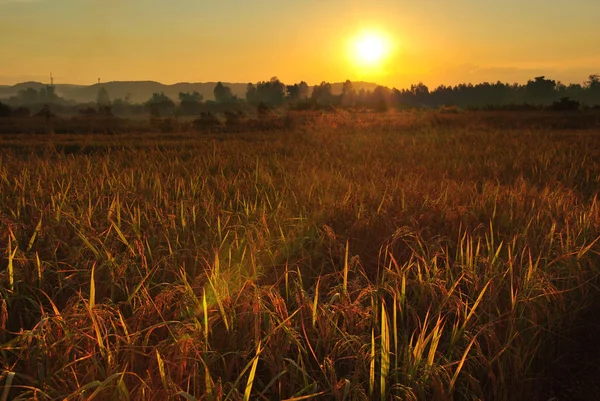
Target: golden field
(341, 256)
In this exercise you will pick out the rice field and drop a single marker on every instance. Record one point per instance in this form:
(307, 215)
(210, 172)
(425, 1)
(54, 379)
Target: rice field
(339, 260)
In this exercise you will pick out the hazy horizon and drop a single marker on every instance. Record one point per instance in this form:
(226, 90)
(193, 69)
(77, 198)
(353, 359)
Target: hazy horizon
(46, 80)
(234, 41)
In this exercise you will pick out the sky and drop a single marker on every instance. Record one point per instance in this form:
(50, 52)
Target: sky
(433, 41)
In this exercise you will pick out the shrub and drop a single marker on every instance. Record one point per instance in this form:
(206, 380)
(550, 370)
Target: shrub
(206, 121)
(565, 104)
(5, 110)
(21, 112)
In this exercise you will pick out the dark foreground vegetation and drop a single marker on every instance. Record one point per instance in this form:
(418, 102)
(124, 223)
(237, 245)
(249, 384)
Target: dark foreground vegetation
(346, 256)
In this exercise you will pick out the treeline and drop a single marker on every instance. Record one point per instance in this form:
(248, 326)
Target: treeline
(538, 93)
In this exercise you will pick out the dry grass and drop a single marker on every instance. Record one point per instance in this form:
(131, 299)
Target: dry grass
(354, 258)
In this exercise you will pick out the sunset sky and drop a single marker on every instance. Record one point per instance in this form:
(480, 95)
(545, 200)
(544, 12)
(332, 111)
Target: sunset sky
(434, 41)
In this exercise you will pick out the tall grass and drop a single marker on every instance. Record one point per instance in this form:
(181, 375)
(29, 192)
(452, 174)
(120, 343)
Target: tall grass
(344, 261)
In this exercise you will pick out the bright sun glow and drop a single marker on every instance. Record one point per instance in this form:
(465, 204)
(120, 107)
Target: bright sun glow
(370, 49)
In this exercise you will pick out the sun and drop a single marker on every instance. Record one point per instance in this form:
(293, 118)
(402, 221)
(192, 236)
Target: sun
(370, 49)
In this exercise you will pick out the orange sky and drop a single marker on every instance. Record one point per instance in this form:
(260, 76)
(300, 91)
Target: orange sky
(435, 41)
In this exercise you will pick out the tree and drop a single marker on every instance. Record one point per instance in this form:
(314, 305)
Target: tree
(541, 90)
(28, 96)
(304, 90)
(223, 93)
(270, 92)
(194, 97)
(48, 94)
(189, 103)
(382, 97)
(362, 97)
(593, 81)
(593, 89)
(420, 92)
(103, 102)
(102, 99)
(348, 94)
(160, 104)
(274, 91)
(251, 94)
(322, 93)
(120, 106)
(297, 92)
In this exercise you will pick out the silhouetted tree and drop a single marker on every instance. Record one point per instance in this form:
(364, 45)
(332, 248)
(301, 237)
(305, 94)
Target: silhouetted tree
(28, 96)
(190, 102)
(593, 81)
(362, 98)
(541, 90)
(348, 98)
(592, 87)
(381, 98)
(322, 93)
(223, 93)
(103, 102)
(102, 99)
(194, 96)
(298, 92)
(420, 92)
(292, 93)
(575, 91)
(160, 104)
(48, 94)
(270, 92)
(251, 94)
(121, 106)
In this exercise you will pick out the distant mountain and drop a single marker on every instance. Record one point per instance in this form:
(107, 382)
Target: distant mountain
(140, 91)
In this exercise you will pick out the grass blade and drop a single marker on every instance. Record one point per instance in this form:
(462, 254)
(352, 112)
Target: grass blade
(248, 390)
(385, 351)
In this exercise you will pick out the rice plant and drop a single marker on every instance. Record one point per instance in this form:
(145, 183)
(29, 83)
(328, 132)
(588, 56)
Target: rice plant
(344, 259)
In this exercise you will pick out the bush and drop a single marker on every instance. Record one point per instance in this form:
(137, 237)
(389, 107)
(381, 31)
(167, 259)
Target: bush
(565, 104)
(263, 110)
(5, 110)
(165, 125)
(206, 121)
(46, 113)
(234, 118)
(88, 111)
(21, 112)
